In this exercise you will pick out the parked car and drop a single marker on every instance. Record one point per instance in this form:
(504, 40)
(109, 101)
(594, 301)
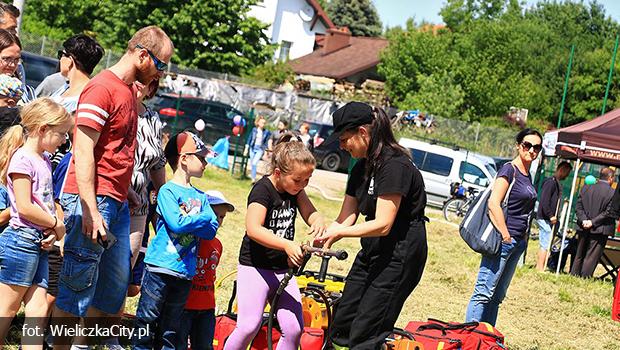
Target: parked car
(38, 67)
(181, 113)
(500, 161)
(442, 166)
(328, 156)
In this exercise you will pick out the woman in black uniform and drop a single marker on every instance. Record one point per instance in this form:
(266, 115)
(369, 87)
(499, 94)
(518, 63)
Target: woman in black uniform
(388, 189)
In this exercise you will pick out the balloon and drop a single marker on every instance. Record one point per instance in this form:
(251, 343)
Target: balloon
(590, 180)
(243, 122)
(199, 125)
(238, 120)
(237, 130)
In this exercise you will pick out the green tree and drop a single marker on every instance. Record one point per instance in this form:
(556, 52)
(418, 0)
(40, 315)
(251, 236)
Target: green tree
(499, 56)
(412, 54)
(274, 73)
(360, 16)
(438, 95)
(208, 34)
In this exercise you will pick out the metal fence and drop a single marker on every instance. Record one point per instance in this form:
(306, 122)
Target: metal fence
(495, 142)
(45, 46)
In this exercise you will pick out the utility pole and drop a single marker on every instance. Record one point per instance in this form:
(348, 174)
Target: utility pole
(570, 65)
(611, 74)
(20, 6)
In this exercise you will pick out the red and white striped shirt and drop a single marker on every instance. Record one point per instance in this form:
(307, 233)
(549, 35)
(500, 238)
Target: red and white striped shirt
(108, 106)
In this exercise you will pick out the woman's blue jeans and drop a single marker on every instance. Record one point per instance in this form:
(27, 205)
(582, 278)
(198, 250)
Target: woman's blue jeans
(493, 280)
(256, 153)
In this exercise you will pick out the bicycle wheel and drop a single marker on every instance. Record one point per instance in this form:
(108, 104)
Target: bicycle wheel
(454, 210)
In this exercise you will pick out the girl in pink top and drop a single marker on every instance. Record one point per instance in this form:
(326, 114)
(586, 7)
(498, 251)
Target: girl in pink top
(34, 225)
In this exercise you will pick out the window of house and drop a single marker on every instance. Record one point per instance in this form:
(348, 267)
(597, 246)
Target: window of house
(285, 48)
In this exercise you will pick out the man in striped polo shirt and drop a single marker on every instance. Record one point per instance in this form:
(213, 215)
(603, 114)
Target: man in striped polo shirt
(96, 268)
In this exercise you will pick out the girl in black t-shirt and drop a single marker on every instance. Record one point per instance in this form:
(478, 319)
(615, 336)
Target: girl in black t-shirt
(268, 247)
(386, 187)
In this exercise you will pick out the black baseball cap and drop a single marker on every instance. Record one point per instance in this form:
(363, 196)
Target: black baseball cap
(349, 116)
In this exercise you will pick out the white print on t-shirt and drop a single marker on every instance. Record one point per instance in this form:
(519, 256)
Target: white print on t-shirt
(281, 221)
(371, 186)
(204, 264)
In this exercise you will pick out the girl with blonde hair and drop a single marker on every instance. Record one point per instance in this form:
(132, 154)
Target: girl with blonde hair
(35, 225)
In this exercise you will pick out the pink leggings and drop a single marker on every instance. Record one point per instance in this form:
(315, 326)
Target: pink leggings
(254, 288)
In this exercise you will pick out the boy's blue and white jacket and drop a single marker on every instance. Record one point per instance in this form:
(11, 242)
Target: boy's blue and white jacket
(184, 216)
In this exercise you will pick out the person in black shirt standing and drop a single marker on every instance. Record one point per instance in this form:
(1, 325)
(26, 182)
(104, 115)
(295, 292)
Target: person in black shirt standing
(387, 188)
(546, 217)
(594, 223)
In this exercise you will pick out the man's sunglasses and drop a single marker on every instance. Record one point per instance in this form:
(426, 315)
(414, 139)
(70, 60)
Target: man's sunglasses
(526, 146)
(159, 64)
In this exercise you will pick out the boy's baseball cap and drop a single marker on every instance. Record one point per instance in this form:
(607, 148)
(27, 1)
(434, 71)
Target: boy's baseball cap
(217, 197)
(186, 143)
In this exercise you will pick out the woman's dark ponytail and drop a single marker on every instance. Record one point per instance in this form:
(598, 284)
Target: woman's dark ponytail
(383, 144)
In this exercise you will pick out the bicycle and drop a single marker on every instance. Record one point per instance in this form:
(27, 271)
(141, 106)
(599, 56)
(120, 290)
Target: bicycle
(455, 208)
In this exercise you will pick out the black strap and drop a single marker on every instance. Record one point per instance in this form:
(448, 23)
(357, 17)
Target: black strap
(445, 326)
(232, 298)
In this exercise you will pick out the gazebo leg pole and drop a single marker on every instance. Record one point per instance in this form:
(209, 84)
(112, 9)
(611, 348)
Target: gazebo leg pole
(567, 219)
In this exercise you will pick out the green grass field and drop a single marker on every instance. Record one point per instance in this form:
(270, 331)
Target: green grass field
(541, 311)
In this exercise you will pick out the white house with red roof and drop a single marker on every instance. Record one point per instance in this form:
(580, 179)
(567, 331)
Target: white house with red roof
(293, 25)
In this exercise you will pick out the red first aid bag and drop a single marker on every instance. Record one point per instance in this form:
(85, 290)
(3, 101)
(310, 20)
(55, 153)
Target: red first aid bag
(312, 339)
(435, 334)
(225, 325)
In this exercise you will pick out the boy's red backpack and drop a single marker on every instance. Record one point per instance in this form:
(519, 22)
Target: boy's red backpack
(435, 334)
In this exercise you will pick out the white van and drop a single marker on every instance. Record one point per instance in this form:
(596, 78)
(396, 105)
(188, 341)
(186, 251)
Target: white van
(441, 166)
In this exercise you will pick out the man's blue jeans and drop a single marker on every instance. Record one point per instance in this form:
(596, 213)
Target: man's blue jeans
(493, 280)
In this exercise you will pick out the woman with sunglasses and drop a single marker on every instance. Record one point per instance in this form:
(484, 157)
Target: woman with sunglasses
(77, 59)
(10, 57)
(496, 272)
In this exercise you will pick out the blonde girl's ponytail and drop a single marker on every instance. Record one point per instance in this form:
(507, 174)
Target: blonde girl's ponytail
(36, 114)
(12, 139)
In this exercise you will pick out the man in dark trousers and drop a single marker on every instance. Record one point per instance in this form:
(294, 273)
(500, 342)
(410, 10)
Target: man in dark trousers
(546, 217)
(594, 222)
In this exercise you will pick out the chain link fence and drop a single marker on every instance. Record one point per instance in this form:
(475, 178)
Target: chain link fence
(44, 46)
(494, 142)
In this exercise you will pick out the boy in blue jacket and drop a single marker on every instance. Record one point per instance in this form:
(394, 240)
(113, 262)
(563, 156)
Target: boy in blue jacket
(184, 217)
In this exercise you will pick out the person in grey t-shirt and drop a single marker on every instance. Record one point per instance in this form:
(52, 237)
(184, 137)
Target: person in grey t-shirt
(50, 84)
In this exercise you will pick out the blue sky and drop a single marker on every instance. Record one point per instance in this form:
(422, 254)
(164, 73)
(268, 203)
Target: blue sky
(396, 12)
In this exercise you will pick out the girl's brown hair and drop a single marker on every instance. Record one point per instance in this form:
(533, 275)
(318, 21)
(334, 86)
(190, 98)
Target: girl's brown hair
(38, 113)
(8, 39)
(289, 152)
